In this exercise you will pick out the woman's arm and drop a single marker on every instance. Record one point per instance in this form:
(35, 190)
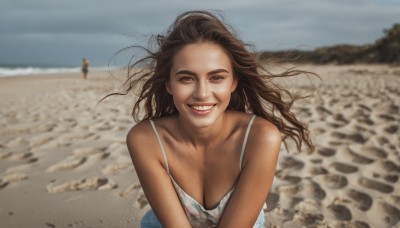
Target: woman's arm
(156, 183)
(258, 171)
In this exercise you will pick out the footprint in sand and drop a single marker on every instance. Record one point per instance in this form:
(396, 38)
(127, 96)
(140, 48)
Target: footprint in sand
(338, 135)
(22, 146)
(113, 169)
(18, 143)
(289, 179)
(392, 129)
(340, 118)
(348, 105)
(13, 177)
(334, 125)
(394, 109)
(314, 171)
(336, 143)
(4, 155)
(391, 178)
(343, 167)
(281, 213)
(68, 138)
(79, 157)
(381, 140)
(361, 200)
(3, 184)
(102, 126)
(93, 152)
(130, 189)
(94, 183)
(68, 163)
(386, 117)
(314, 190)
(375, 185)
(40, 140)
(355, 224)
(323, 111)
(364, 107)
(355, 137)
(48, 127)
(290, 189)
(141, 201)
(291, 163)
(334, 181)
(392, 214)
(84, 151)
(361, 128)
(316, 161)
(318, 131)
(304, 219)
(309, 189)
(304, 112)
(23, 156)
(388, 166)
(272, 201)
(374, 151)
(326, 151)
(355, 157)
(340, 212)
(307, 205)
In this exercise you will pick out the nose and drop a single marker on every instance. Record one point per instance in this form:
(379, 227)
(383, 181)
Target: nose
(202, 90)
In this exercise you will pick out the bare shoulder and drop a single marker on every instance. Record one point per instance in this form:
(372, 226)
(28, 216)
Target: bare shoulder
(138, 132)
(264, 142)
(140, 139)
(265, 131)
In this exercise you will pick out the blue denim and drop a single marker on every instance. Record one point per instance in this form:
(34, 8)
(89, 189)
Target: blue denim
(150, 220)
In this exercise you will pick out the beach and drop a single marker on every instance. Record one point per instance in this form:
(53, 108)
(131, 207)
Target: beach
(64, 161)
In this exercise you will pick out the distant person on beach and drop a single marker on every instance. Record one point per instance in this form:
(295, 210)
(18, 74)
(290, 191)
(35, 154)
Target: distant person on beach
(210, 126)
(85, 68)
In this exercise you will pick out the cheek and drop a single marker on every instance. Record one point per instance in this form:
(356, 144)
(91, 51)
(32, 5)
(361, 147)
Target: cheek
(181, 92)
(223, 92)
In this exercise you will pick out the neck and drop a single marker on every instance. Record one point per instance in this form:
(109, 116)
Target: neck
(202, 138)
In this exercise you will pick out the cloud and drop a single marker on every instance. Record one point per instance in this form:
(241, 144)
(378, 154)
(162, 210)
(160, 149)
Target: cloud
(92, 25)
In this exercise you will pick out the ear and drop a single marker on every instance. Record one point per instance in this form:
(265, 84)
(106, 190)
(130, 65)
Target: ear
(168, 87)
(234, 84)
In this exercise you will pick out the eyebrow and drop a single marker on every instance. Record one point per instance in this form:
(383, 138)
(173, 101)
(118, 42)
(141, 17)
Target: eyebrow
(188, 72)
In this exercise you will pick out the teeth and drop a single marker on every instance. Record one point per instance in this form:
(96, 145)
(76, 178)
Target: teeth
(202, 108)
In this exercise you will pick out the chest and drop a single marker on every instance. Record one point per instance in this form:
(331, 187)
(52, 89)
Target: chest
(208, 175)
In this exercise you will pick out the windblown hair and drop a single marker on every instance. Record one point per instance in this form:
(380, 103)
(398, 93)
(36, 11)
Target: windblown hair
(255, 92)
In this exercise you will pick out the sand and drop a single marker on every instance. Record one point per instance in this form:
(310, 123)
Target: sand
(64, 162)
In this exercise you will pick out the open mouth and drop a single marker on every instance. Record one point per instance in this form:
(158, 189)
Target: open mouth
(201, 107)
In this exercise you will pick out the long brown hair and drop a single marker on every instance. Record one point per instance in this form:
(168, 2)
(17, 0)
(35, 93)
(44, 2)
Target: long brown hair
(255, 92)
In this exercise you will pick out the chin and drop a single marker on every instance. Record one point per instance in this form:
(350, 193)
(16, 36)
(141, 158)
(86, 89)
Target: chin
(204, 121)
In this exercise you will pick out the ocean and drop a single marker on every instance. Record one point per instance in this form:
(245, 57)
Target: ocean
(23, 70)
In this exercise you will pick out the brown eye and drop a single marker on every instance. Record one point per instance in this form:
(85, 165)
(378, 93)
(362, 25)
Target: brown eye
(217, 77)
(185, 79)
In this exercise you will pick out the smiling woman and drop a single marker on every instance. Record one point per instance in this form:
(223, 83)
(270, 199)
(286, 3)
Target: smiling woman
(207, 147)
(201, 83)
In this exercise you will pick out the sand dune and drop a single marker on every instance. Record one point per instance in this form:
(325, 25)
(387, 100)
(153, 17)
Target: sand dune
(64, 162)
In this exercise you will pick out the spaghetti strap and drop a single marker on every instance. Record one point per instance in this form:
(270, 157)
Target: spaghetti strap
(245, 140)
(161, 146)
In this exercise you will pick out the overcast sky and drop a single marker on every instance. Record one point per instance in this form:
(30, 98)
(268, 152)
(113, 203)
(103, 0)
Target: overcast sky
(61, 32)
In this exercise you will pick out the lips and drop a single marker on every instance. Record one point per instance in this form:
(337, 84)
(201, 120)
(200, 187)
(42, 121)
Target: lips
(202, 108)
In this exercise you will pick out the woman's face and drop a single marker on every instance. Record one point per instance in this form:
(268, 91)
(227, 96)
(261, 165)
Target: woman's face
(201, 83)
